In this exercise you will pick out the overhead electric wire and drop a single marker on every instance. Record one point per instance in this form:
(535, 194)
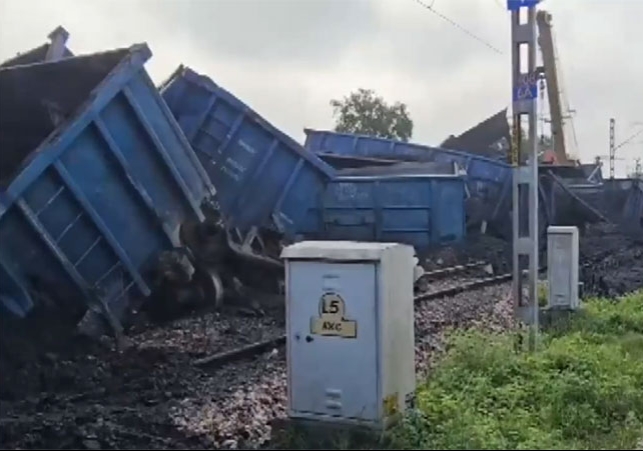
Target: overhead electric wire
(457, 25)
(628, 140)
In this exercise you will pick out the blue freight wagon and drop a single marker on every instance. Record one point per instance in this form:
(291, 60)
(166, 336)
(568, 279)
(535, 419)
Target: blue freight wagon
(96, 179)
(622, 200)
(570, 202)
(488, 182)
(421, 209)
(340, 162)
(263, 177)
(573, 201)
(633, 209)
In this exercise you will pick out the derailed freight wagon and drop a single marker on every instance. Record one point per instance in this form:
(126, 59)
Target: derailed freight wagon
(264, 179)
(488, 182)
(96, 181)
(633, 209)
(573, 201)
(566, 194)
(421, 205)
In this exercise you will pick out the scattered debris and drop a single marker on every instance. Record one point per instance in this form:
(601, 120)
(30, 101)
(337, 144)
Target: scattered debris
(61, 390)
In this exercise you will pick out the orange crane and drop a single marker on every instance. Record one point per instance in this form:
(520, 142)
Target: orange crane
(550, 72)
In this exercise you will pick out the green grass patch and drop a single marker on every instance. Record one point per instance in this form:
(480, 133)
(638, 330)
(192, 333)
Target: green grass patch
(583, 389)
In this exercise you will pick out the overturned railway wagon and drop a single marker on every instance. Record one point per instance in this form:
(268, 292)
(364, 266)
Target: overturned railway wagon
(420, 205)
(567, 195)
(621, 200)
(488, 182)
(633, 211)
(572, 200)
(264, 178)
(96, 179)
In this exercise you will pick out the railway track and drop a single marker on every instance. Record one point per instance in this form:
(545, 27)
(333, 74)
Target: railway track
(214, 381)
(260, 368)
(451, 281)
(458, 280)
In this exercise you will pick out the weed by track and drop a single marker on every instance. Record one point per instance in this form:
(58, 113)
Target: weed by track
(583, 388)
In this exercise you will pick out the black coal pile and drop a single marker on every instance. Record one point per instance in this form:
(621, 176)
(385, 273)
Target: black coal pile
(151, 396)
(88, 395)
(485, 248)
(612, 261)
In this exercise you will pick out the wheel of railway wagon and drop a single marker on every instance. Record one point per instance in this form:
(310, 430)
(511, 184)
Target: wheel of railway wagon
(210, 286)
(172, 300)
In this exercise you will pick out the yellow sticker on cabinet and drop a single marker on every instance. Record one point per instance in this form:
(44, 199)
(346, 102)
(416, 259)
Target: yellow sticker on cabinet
(390, 404)
(331, 320)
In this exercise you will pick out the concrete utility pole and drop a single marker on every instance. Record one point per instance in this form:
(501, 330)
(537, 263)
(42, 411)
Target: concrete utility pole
(525, 163)
(612, 145)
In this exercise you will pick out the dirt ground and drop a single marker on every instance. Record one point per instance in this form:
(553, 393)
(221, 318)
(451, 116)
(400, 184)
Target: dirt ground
(88, 395)
(58, 391)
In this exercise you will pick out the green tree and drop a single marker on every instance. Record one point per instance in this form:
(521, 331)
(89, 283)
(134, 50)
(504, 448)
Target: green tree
(365, 113)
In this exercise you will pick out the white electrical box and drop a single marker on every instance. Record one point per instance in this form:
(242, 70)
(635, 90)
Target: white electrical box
(350, 331)
(562, 267)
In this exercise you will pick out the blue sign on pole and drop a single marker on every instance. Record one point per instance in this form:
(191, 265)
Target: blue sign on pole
(526, 88)
(513, 5)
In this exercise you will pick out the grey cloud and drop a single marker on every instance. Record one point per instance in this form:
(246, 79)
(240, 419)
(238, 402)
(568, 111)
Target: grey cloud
(312, 32)
(287, 58)
(426, 43)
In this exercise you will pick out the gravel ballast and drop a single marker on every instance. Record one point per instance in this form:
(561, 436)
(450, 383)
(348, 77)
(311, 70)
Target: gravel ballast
(87, 395)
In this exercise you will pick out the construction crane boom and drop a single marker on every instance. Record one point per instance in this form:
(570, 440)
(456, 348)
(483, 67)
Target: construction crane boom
(546, 42)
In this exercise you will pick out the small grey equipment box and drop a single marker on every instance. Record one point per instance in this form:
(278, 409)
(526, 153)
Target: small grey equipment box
(350, 331)
(562, 267)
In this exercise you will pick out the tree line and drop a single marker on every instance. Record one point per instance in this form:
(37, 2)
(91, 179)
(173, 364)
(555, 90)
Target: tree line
(364, 112)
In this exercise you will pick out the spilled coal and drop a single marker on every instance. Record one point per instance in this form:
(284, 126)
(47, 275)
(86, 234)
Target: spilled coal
(60, 391)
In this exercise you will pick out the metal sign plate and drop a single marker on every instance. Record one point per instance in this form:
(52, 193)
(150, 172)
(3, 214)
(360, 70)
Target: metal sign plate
(526, 87)
(331, 320)
(513, 5)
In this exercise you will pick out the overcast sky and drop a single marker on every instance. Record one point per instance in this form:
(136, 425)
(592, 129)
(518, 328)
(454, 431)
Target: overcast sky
(288, 58)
